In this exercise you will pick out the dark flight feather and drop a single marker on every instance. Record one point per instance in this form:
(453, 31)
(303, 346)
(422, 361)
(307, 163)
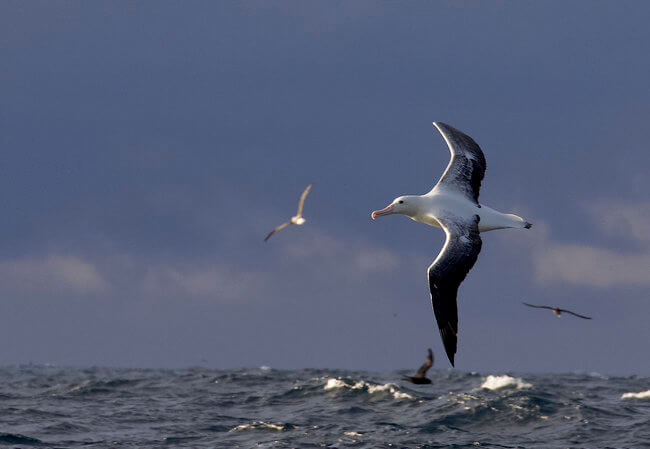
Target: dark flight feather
(466, 168)
(457, 257)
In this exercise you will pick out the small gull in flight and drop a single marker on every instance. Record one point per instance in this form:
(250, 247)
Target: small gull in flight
(420, 376)
(557, 311)
(453, 206)
(296, 219)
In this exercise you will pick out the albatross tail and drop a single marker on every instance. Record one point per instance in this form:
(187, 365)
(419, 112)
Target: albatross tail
(492, 219)
(519, 222)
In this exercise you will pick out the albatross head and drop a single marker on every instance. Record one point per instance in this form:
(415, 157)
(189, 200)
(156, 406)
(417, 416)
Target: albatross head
(405, 205)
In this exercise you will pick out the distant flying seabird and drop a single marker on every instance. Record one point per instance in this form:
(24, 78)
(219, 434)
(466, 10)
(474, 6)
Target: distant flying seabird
(557, 311)
(296, 219)
(453, 206)
(420, 376)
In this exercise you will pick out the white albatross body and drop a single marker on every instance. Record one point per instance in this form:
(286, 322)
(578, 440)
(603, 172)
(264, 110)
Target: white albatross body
(441, 203)
(453, 206)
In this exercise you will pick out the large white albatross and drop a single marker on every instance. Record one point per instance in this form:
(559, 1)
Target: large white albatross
(453, 206)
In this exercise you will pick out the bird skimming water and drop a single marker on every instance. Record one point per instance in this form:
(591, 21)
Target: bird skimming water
(420, 376)
(296, 219)
(557, 311)
(453, 206)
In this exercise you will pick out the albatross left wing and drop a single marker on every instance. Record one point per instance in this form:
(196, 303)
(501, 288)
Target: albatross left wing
(537, 307)
(457, 257)
(466, 168)
(422, 372)
(276, 229)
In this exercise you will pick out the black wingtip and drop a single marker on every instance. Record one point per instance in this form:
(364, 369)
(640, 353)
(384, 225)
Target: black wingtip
(528, 225)
(449, 341)
(450, 349)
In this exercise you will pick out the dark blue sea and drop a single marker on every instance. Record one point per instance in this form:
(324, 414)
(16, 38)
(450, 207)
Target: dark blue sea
(44, 406)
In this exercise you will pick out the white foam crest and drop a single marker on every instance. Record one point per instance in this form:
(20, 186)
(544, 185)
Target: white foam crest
(392, 388)
(639, 395)
(497, 382)
(335, 383)
(370, 388)
(81, 386)
(257, 425)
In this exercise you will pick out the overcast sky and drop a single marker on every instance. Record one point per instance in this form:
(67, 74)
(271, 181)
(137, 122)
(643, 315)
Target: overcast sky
(147, 148)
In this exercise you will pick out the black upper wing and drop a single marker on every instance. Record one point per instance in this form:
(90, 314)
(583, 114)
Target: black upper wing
(467, 166)
(457, 257)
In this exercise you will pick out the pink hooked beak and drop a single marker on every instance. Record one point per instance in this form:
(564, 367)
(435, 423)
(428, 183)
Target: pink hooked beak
(385, 211)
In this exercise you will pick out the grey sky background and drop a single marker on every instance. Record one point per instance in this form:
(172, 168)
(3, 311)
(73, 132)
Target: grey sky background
(147, 148)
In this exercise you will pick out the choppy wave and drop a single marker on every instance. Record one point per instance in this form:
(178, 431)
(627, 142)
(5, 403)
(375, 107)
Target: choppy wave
(268, 408)
(391, 388)
(497, 382)
(639, 395)
(14, 438)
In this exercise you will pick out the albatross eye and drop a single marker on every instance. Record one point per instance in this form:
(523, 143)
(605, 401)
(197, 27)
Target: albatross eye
(401, 201)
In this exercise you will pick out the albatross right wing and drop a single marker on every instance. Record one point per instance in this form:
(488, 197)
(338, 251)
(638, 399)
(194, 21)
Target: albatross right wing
(466, 168)
(457, 257)
(575, 314)
(302, 200)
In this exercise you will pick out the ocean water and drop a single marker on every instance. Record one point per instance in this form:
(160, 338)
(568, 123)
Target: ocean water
(42, 406)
